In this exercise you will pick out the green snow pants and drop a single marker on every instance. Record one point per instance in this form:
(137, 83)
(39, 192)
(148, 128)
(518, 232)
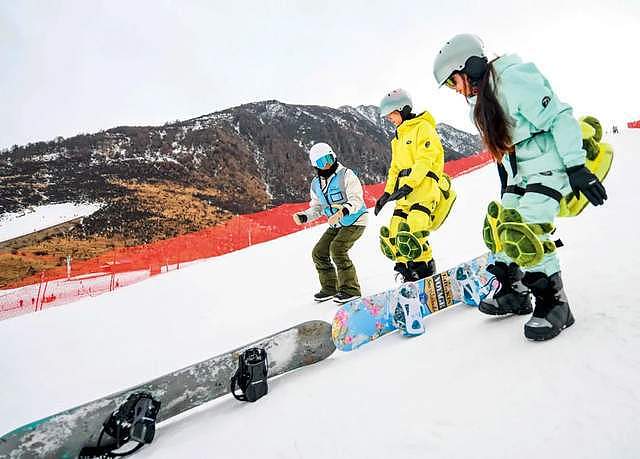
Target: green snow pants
(334, 245)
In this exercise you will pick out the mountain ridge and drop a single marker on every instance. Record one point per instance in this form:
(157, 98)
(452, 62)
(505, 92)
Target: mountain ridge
(239, 160)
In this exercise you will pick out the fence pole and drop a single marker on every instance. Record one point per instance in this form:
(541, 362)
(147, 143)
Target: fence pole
(44, 292)
(39, 288)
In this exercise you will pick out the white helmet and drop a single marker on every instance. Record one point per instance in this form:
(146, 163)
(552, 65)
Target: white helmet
(454, 57)
(318, 155)
(395, 100)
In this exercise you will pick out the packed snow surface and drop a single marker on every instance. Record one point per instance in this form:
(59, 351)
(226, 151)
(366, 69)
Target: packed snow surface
(471, 387)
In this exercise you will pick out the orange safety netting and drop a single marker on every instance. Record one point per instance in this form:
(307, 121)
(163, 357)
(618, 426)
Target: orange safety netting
(129, 265)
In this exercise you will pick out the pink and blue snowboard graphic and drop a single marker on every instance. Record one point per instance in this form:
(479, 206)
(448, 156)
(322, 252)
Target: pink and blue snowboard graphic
(366, 319)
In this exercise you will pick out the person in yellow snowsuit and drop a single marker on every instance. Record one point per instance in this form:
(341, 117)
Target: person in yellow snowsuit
(417, 183)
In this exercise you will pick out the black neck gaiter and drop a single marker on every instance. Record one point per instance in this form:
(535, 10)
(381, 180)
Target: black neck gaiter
(326, 173)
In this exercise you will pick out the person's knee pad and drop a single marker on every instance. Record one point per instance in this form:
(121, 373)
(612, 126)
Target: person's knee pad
(522, 241)
(411, 244)
(387, 244)
(490, 227)
(388, 235)
(505, 230)
(399, 217)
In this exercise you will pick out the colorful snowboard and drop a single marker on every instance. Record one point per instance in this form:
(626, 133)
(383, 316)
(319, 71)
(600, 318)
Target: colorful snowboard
(366, 319)
(63, 435)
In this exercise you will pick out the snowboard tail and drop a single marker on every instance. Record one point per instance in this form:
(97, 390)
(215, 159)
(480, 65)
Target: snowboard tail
(63, 435)
(368, 318)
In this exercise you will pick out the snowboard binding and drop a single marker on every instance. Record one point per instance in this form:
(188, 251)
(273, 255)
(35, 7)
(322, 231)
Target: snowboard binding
(407, 314)
(134, 420)
(251, 376)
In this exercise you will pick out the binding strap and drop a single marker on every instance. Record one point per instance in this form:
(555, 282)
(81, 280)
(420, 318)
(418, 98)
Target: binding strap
(133, 421)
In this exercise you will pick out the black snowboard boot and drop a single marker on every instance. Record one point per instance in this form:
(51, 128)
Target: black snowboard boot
(323, 295)
(404, 274)
(422, 269)
(512, 296)
(552, 313)
(342, 297)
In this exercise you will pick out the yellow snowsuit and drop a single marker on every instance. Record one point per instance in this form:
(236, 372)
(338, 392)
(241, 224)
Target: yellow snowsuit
(417, 160)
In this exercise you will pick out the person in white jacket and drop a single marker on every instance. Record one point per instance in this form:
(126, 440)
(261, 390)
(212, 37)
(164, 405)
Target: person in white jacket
(336, 192)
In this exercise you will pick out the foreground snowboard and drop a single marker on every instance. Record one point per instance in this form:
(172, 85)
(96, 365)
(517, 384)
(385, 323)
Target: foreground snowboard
(63, 435)
(363, 320)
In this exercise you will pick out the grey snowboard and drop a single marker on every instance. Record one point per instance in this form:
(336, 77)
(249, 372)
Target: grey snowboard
(63, 435)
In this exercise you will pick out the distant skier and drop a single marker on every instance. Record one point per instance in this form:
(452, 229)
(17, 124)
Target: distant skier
(537, 144)
(336, 192)
(416, 182)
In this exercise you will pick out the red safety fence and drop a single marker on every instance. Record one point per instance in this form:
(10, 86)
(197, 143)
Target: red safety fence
(126, 266)
(634, 124)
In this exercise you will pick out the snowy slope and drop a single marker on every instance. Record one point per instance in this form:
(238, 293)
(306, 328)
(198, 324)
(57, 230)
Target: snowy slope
(14, 224)
(471, 387)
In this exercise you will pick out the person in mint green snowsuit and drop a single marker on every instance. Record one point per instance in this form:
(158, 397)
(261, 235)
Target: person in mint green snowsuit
(537, 144)
(542, 158)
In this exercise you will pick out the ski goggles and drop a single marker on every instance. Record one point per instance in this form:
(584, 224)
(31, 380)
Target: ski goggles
(324, 161)
(450, 82)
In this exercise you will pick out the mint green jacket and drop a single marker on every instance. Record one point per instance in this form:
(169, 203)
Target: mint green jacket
(545, 133)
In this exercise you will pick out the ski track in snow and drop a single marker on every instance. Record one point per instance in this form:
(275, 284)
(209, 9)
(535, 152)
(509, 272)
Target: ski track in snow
(472, 386)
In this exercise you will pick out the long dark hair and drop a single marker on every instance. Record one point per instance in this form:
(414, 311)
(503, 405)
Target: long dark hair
(490, 118)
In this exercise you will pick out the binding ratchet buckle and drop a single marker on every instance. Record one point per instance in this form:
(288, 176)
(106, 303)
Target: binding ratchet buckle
(134, 420)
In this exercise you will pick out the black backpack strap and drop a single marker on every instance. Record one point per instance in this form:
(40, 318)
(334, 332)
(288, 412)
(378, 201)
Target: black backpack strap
(502, 173)
(514, 189)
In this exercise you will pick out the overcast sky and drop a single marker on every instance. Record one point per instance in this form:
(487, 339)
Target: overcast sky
(69, 67)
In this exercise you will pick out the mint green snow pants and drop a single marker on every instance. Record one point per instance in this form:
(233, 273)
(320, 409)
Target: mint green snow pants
(538, 208)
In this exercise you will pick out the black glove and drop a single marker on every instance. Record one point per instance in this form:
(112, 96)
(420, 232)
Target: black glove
(401, 193)
(382, 200)
(582, 180)
(300, 218)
